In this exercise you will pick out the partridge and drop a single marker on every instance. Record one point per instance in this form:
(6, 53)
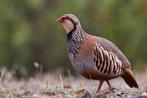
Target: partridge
(95, 57)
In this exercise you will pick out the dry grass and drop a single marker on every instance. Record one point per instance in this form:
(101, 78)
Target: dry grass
(57, 86)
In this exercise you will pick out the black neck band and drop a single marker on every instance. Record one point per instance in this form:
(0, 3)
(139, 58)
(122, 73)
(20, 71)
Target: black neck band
(69, 35)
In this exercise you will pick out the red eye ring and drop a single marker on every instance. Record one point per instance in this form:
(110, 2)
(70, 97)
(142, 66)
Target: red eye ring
(66, 18)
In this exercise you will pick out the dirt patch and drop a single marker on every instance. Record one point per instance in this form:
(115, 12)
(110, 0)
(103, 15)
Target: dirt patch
(57, 86)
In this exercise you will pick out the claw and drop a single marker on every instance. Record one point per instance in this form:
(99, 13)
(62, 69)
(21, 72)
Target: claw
(110, 87)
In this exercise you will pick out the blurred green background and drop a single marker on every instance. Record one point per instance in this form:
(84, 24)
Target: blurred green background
(29, 32)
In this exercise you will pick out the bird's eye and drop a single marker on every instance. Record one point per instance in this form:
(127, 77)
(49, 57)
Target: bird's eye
(63, 18)
(67, 18)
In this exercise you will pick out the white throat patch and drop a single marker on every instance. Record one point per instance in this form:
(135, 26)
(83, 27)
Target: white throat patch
(68, 25)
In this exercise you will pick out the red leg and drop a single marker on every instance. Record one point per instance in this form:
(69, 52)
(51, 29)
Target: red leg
(110, 87)
(99, 86)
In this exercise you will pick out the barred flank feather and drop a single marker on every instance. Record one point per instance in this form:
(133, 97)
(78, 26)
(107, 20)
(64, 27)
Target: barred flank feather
(106, 62)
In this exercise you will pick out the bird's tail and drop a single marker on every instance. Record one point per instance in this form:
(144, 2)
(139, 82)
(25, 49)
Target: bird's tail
(129, 78)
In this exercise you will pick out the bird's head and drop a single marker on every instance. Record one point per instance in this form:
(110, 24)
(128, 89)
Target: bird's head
(69, 21)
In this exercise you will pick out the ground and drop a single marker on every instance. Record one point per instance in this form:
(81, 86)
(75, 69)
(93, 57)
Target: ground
(57, 86)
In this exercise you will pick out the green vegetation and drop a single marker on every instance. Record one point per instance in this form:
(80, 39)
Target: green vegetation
(29, 32)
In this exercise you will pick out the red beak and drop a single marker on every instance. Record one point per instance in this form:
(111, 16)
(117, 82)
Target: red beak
(60, 20)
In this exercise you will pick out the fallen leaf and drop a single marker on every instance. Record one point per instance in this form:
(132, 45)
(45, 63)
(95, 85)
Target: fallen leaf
(49, 93)
(79, 92)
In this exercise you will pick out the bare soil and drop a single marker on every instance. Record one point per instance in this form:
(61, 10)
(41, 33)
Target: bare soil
(57, 86)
